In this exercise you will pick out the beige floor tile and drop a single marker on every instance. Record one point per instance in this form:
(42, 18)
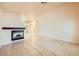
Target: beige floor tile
(40, 46)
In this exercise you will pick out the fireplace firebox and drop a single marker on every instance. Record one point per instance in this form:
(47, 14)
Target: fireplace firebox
(17, 34)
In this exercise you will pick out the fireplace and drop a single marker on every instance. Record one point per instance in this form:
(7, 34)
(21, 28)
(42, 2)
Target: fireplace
(17, 34)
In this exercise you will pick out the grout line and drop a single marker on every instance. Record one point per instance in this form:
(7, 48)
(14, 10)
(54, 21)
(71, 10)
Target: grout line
(35, 49)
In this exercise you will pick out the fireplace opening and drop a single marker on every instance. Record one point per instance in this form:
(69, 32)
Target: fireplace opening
(17, 34)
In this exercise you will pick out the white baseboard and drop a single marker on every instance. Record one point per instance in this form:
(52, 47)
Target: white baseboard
(57, 38)
(0, 46)
(17, 41)
(11, 42)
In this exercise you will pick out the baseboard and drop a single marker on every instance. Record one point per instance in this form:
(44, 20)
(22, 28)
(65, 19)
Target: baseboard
(11, 42)
(5, 44)
(0, 46)
(17, 41)
(58, 39)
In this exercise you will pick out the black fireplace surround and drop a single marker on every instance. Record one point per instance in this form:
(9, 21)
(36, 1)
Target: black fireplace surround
(17, 34)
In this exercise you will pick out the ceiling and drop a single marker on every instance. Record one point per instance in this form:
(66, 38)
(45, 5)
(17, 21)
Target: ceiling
(35, 8)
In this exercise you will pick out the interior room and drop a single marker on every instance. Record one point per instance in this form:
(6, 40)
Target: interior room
(39, 28)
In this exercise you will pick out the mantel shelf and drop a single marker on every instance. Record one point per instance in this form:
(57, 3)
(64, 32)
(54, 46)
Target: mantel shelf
(11, 28)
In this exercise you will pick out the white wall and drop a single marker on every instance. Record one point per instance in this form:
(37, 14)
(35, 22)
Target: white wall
(8, 19)
(57, 24)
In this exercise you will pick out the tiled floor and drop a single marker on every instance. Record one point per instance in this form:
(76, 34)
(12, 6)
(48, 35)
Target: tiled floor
(40, 46)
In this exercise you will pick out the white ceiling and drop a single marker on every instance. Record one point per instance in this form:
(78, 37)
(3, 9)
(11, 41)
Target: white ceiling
(29, 7)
